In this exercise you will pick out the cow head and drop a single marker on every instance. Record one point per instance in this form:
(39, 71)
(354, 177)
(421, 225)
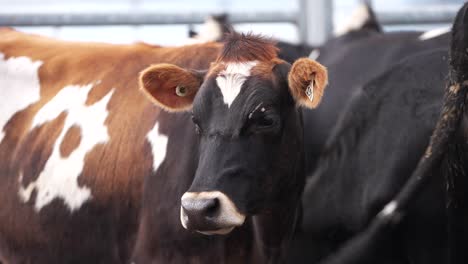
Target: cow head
(244, 109)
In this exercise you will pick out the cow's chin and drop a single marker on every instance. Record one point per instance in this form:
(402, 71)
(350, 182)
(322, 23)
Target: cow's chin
(222, 231)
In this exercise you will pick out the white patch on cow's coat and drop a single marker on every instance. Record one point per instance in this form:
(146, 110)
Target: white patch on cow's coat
(389, 209)
(433, 33)
(59, 179)
(231, 79)
(158, 146)
(314, 54)
(359, 17)
(19, 87)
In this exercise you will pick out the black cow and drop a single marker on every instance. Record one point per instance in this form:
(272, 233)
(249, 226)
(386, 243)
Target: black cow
(371, 153)
(352, 60)
(372, 167)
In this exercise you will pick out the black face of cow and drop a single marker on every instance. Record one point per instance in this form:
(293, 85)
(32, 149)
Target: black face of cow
(250, 131)
(244, 143)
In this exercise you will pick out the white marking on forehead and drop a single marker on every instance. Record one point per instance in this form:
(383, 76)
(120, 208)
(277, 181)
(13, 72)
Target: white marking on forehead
(231, 79)
(19, 87)
(158, 146)
(433, 33)
(59, 179)
(314, 54)
(359, 17)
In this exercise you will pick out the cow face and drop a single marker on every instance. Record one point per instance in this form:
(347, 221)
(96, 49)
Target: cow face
(244, 109)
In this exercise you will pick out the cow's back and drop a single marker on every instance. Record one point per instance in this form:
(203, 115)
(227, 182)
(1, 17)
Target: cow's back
(77, 140)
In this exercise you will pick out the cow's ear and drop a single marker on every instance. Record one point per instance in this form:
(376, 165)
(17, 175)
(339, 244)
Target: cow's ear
(307, 79)
(171, 87)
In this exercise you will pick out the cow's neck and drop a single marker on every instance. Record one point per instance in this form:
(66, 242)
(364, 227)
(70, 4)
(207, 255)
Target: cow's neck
(273, 229)
(273, 232)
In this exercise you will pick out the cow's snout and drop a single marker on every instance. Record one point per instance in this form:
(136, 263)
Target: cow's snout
(201, 210)
(209, 213)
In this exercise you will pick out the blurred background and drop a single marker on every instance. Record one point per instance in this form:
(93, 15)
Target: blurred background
(166, 22)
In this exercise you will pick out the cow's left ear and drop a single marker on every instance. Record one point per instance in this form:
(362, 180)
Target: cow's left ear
(307, 80)
(171, 87)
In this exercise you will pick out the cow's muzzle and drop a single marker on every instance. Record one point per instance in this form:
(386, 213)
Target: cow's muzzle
(209, 213)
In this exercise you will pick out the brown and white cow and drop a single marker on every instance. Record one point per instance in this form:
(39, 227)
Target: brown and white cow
(94, 171)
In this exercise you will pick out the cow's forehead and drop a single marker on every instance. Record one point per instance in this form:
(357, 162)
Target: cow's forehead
(245, 67)
(235, 79)
(243, 74)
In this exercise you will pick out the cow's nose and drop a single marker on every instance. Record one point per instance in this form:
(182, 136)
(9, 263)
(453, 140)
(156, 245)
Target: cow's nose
(209, 213)
(200, 211)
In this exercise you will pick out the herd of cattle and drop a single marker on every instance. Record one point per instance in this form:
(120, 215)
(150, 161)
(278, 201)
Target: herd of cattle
(236, 150)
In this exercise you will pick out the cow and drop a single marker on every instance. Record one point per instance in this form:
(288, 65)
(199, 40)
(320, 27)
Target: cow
(394, 169)
(205, 164)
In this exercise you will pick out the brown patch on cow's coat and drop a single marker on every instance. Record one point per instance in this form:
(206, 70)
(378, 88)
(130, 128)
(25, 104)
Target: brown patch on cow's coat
(71, 141)
(160, 83)
(304, 73)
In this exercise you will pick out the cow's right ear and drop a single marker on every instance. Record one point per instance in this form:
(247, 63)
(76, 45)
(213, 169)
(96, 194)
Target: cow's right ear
(170, 87)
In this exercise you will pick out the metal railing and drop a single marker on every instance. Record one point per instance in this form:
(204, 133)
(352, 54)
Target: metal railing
(416, 15)
(135, 18)
(404, 16)
(396, 17)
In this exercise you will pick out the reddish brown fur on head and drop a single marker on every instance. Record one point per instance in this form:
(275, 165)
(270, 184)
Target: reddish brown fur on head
(240, 47)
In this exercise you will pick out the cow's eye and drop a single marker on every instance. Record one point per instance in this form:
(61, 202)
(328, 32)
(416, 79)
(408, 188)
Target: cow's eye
(263, 122)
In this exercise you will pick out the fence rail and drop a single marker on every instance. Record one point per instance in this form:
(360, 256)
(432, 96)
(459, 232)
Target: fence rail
(135, 18)
(425, 15)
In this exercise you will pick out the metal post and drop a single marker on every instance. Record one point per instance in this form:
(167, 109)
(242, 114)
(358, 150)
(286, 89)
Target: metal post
(315, 21)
